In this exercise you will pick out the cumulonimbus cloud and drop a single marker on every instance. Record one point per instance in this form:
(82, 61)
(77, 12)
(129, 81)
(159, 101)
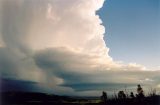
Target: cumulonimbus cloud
(60, 43)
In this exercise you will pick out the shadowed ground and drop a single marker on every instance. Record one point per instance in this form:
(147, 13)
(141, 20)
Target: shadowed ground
(24, 98)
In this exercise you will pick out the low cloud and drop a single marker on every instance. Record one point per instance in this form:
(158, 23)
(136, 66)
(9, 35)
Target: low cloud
(82, 72)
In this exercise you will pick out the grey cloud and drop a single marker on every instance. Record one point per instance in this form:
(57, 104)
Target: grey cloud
(61, 61)
(23, 85)
(7, 63)
(15, 22)
(99, 86)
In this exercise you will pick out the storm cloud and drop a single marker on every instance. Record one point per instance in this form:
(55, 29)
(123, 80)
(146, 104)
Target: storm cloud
(58, 44)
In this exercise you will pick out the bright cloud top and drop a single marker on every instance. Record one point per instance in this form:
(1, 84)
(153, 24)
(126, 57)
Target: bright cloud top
(60, 44)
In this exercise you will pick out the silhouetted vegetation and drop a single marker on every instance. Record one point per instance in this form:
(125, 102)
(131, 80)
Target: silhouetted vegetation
(30, 98)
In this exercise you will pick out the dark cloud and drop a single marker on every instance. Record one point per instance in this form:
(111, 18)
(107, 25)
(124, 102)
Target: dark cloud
(24, 86)
(99, 86)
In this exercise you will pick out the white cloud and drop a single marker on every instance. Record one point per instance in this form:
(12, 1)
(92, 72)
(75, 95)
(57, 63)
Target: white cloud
(62, 42)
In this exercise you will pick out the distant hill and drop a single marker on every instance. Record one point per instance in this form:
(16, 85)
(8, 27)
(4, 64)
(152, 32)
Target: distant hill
(20, 98)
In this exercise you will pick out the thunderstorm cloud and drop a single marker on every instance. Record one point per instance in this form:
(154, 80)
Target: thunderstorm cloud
(58, 46)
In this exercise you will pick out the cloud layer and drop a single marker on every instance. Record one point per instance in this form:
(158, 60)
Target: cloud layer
(60, 45)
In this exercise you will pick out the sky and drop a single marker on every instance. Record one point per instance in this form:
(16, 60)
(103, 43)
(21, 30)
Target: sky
(75, 47)
(133, 25)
